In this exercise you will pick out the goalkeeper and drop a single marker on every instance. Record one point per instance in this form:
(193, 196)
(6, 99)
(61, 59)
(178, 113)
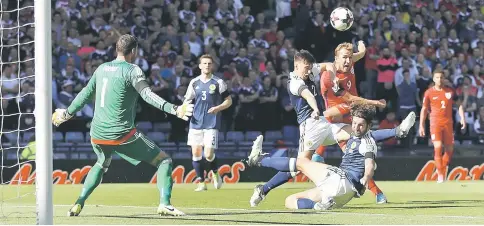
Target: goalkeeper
(117, 86)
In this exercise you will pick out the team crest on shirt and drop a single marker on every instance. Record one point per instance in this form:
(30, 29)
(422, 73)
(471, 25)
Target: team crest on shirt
(212, 88)
(353, 145)
(448, 95)
(309, 143)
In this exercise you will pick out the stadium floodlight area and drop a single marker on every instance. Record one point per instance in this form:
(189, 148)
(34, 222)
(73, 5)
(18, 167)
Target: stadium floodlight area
(26, 58)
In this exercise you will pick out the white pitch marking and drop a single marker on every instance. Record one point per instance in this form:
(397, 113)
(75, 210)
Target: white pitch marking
(273, 211)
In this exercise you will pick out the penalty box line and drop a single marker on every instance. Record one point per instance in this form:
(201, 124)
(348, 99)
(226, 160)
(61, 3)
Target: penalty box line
(269, 211)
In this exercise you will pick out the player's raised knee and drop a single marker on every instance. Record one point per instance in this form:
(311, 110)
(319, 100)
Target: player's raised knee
(160, 158)
(302, 161)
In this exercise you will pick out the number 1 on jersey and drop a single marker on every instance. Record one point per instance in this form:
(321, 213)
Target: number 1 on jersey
(103, 91)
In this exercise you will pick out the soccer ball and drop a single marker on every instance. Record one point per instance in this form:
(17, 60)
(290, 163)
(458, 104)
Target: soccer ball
(341, 18)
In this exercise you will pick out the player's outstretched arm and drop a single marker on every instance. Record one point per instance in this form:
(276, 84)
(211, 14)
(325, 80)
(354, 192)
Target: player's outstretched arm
(361, 52)
(183, 111)
(86, 94)
(299, 88)
(139, 82)
(347, 97)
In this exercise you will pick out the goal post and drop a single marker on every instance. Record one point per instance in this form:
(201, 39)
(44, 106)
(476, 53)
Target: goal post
(43, 112)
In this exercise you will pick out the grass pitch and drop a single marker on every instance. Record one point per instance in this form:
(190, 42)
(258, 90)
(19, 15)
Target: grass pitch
(410, 203)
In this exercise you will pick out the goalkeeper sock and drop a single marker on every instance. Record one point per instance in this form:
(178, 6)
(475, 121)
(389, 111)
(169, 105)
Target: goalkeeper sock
(277, 180)
(197, 166)
(164, 182)
(212, 164)
(305, 203)
(93, 179)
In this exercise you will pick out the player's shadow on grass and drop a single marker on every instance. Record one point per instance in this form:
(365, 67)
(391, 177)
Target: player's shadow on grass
(407, 207)
(442, 202)
(194, 217)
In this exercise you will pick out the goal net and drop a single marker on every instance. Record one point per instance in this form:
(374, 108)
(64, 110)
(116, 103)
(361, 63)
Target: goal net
(25, 108)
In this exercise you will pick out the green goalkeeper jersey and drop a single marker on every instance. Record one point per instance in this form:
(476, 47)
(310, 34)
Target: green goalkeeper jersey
(116, 98)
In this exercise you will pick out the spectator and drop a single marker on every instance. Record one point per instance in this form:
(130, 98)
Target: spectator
(248, 97)
(406, 66)
(9, 81)
(66, 96)
(267, 108)
(479, 126)
(466, 95)
(407, 96)
(387, 65)
(253, 41)
(288, 115)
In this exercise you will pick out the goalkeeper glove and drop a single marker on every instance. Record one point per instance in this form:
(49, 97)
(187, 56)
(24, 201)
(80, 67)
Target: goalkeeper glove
(60, 116)
(184, 111)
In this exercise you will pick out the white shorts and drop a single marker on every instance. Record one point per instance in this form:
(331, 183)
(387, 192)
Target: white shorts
(314, 133)
(336, 186)
(203, 137)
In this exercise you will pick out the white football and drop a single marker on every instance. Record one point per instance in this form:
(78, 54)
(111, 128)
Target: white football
(341, 18)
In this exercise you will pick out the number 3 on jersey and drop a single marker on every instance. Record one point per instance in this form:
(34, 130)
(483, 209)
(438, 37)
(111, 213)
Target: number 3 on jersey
(103, 91)
(204, 95)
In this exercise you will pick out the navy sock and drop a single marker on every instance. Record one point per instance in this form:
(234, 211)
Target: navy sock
(197, 165)
(212, 165)
(383, 134)
(277, 180)
(280, 163)
(305, 204)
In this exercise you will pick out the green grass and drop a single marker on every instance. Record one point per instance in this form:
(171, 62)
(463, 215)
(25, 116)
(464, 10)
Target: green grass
(410, 203)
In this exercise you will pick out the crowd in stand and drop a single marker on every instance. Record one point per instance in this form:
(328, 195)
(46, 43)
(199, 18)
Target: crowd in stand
(253, 43)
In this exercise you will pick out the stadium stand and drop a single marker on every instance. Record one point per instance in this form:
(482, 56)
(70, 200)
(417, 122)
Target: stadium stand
(253, 40)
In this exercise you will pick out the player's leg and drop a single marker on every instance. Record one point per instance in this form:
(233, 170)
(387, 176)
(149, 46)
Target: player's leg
(141, 148)
(335, 114)
(195, 140)
(303, 200)
(311, 133)
(94, 177)
(210, 143)
(340, 134)
(448, 142)
(436, 134)
(328, 183)
(332, 191)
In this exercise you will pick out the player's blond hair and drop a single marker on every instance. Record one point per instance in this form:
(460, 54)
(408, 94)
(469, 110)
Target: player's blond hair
(345, 45)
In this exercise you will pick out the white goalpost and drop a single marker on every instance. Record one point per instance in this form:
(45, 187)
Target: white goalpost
(25, 112)
(43, 111)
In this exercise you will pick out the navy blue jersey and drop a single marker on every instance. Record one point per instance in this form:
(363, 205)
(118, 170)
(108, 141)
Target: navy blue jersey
(353, 162)
(206, 94)
(296, 85)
